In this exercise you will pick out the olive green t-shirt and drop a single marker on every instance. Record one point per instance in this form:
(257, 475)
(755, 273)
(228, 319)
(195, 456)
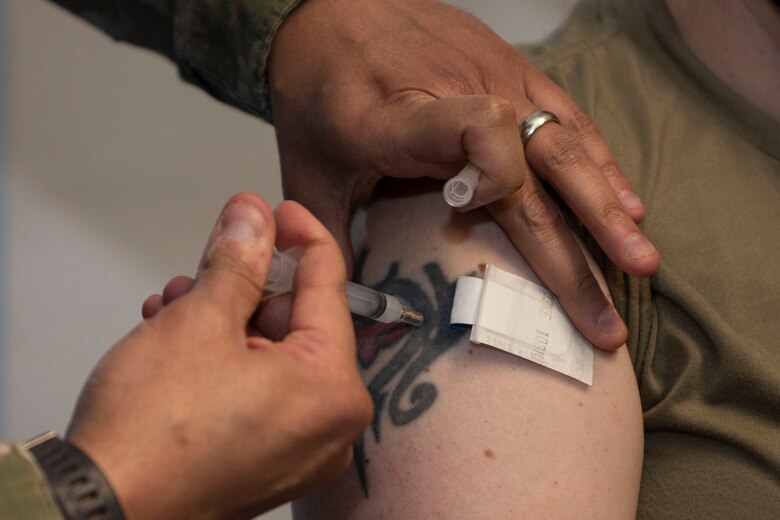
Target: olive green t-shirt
(705, 330)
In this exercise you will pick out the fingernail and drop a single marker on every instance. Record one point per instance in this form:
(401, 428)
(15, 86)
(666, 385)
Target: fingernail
(629, 200)
(609, 322)
(241, 221)
(637, 246)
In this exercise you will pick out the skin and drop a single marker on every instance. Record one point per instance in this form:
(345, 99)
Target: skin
(417, 88)
(434, 414)
(182, 412)
(377, 445)
(463, 430)
(401, 459)
(303, 441)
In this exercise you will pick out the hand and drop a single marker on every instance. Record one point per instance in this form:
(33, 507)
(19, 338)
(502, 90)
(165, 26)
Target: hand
(415, 88)
(189, 416)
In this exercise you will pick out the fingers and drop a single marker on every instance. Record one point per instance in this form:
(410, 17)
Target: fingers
(151, 306)
(236, 258)
(534, 225)
(588, 135)
(319, 314)
(559, 158)
(175, 288)
(441, 135)
(546, 94)
(272, 319)
(574, 159)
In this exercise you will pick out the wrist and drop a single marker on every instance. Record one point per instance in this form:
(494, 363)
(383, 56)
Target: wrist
(79, 487)
(152, 479)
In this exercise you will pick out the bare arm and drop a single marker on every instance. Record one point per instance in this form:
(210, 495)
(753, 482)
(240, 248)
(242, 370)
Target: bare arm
(465, 431)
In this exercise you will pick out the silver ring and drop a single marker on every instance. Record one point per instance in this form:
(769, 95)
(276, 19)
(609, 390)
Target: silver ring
(534, 122)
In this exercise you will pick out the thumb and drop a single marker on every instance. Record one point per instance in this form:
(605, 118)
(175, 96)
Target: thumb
(236, 259)
(440, 135)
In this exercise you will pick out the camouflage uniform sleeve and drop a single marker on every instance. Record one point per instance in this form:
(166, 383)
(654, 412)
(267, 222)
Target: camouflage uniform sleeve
(221, 46)
(24, 493)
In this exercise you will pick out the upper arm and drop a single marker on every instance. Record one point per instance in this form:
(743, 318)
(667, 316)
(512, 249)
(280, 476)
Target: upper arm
(468, 431)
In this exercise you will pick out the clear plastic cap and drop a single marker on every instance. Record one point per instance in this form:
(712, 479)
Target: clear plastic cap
(459, 190)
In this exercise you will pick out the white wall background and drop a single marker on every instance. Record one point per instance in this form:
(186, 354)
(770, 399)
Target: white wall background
(114, 172)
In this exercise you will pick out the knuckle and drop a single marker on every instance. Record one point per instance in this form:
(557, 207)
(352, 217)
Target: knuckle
(611, 171)
(539, 215)
(565, 152)
(236, 264)
(352, 409)
(582, 125)
(453, 80)
(346, 406)
(585, 286)
(613, 214)
(314, 341)
(498, 111)
(339, 463)
(362, 410)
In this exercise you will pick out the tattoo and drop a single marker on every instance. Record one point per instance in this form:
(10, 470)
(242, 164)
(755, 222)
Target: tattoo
(416, 348)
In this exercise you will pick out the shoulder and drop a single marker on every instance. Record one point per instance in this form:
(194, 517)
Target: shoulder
(591, 25)
(588, 52)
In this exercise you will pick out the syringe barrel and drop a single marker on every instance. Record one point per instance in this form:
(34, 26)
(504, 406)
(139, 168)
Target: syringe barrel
(373, 304)
(365, 301)
(362, 300)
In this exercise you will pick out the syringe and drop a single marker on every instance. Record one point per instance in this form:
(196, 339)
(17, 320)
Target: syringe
(363, 301)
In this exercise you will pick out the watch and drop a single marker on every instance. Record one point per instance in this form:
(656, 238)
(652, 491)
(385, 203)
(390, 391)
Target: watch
(79, 487)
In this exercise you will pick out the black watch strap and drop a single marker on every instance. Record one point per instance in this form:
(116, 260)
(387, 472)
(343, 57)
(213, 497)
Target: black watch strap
(78, 486)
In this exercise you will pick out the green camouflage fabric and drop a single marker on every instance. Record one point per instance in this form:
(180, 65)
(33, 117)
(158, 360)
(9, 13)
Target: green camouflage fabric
(24, 492)
(219, 45)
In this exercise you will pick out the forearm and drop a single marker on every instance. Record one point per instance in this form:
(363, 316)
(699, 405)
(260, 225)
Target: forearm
(221, 46)
(470, 431)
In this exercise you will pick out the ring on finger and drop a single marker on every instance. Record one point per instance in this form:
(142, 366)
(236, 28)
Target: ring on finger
(534, 122)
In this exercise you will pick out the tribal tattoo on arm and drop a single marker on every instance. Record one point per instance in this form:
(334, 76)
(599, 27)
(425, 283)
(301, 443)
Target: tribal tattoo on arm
(398, 394)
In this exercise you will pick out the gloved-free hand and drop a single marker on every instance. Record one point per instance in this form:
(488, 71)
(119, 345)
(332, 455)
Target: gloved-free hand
(189, 416)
